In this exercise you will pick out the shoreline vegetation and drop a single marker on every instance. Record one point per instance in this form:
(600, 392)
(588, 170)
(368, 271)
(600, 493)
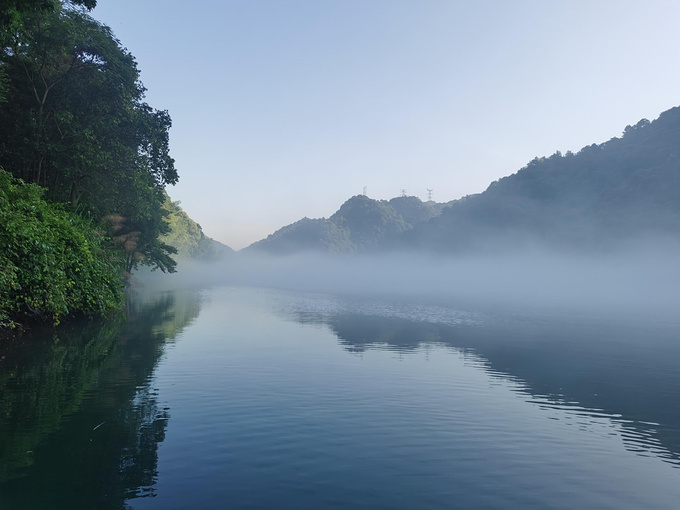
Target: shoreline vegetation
(84, 162)
(54, 264)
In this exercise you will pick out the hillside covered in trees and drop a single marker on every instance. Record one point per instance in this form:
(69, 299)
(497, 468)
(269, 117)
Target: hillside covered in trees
(606, 196)
(361, 225)
(603, 197)
(187, 236)
(89, 159)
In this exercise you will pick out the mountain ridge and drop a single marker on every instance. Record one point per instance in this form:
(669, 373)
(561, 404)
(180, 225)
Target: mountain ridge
(361, 224)
(604, 196)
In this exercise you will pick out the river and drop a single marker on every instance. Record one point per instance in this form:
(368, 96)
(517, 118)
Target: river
(238, 397)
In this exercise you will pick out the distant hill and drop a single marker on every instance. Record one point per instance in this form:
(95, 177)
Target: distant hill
(306, 235)
(603, 196)
(414, 211)
(188, 238)
(606, 195)
(361, 224)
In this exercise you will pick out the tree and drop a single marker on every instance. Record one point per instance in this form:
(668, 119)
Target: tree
(11, 10)
(75, 122)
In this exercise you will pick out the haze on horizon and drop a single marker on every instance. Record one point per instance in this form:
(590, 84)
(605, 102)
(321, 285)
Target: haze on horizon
(284, 110)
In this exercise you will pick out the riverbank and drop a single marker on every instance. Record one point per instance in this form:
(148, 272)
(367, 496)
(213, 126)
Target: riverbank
(54, 264)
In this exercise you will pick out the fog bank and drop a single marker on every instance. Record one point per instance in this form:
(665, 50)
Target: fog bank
(641, 280)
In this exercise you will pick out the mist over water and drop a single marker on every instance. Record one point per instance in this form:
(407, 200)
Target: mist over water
(512, 348)
(530, 380)
(514, 379)
(642, 280)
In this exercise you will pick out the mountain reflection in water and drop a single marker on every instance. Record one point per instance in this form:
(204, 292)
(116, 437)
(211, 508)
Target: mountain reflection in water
(587, 370)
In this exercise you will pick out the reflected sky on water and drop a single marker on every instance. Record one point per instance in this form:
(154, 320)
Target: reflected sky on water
(255, 398)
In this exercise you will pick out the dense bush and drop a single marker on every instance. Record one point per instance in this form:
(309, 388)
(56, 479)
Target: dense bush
(53, 264)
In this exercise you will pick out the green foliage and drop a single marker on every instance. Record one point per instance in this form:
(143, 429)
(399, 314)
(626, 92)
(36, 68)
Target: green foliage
(53, 263)
(140, 235)
(187, 237)
(74, 121)
(184, 234)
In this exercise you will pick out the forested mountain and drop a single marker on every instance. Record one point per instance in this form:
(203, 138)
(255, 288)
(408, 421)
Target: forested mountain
(602, 197)
(414, 211)
(360, 225)
(187, 236)
(605, 196)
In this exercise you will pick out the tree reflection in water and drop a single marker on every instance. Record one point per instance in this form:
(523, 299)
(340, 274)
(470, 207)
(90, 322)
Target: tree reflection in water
(80, 420)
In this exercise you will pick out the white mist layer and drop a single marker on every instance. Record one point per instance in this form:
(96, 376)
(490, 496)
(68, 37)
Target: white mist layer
(640, 281)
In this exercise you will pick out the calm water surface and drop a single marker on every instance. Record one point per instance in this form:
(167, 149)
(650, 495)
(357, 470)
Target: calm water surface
(255, 398)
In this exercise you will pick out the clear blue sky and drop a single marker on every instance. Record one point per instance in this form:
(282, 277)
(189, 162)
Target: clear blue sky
(283, 109)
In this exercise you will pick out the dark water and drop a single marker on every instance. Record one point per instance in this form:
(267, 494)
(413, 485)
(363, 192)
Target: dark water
(253, 398)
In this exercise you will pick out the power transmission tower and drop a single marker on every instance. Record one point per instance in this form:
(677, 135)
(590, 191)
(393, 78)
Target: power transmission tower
(429, 195)
(364, 193)
(403, 192)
